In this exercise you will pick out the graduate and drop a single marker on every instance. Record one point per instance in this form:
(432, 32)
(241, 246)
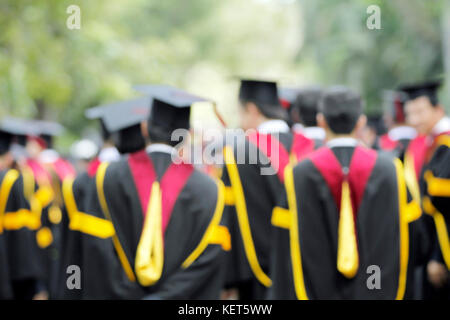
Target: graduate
(427, 160)
(122, 122)
(253, 175)
(19, 274)
(346, 207)
(45, 170)
(157, 219)
(311, 136)
(399, 134)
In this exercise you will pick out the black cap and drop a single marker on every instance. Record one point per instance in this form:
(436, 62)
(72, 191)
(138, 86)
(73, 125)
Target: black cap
(427, 89)
(10, 127)
(123, 119)
(171, 107)
(124, 114)
(258, 91)
(45, 128)
(264, 94)
(5, 141)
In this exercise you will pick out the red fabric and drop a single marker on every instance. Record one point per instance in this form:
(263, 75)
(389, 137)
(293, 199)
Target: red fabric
(38, 170)
(285, 103)
(361, 166)
(266, 144)
(172, 183)
(63, 169)
(302, 145)
(42, 143)
(143, 174)
(93, 167)
(418, 149)
(387, 143)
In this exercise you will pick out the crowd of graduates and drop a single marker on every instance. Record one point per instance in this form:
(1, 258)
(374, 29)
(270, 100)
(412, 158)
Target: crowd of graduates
(330, 195)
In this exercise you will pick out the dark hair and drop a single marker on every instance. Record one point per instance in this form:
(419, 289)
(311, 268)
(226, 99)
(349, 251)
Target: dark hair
(341, 108)
(306, 104)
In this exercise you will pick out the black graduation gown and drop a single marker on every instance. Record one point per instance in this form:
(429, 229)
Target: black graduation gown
(435, 189)
(262, 193)
(377, 230)
(78, 190)
(20, 242)
(103, 274)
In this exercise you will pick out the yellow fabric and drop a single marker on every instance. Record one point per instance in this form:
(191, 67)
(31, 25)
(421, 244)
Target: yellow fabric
(83, 222)
(403, 229)
(91, 225)
(444, 140)
(296, 256)
(69, 199)
(8, 181)
(221, 236)
(100, 177)
(292, 158)
(44, 195)
(22, 218)
(437, 187)
(54, 214)
(441, 229)
(28, 182)
(347, 251)
(229, 196)
(413, 211)
(44, 237)
(281, 217)
(212, 232)
(150, 250)
(411, 179)
(244, 225)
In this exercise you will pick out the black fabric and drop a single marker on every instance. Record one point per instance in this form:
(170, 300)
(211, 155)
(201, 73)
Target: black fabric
(21, 249)
(104, 277)
(377, 231)
(262, 193)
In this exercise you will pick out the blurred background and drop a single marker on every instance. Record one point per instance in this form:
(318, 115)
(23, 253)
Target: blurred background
(48, 71)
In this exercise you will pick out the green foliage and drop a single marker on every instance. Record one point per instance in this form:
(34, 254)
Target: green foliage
(49, 71)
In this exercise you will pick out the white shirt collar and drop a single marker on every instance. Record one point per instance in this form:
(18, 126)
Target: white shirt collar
(298, 127)
(314, 133)
(403, 132)
(160, 147)
(48, 156)
(109, 154)
(342, 142)
(443, 125)
(271, 126)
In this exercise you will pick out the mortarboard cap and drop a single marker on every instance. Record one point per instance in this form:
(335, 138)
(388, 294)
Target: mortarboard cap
(258, 91)
(124, 114)
(264, 94)
(123, 119)
(171, 107)
(428, 89)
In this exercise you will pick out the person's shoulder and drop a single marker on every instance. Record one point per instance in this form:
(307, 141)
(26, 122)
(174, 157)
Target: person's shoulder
(201, 183)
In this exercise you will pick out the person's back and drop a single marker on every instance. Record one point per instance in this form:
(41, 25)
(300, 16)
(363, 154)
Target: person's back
(346, 204)
(160, 219)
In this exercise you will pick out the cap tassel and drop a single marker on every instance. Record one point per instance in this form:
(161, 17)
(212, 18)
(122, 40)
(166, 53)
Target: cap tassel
(150, 252)
(347, 256)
